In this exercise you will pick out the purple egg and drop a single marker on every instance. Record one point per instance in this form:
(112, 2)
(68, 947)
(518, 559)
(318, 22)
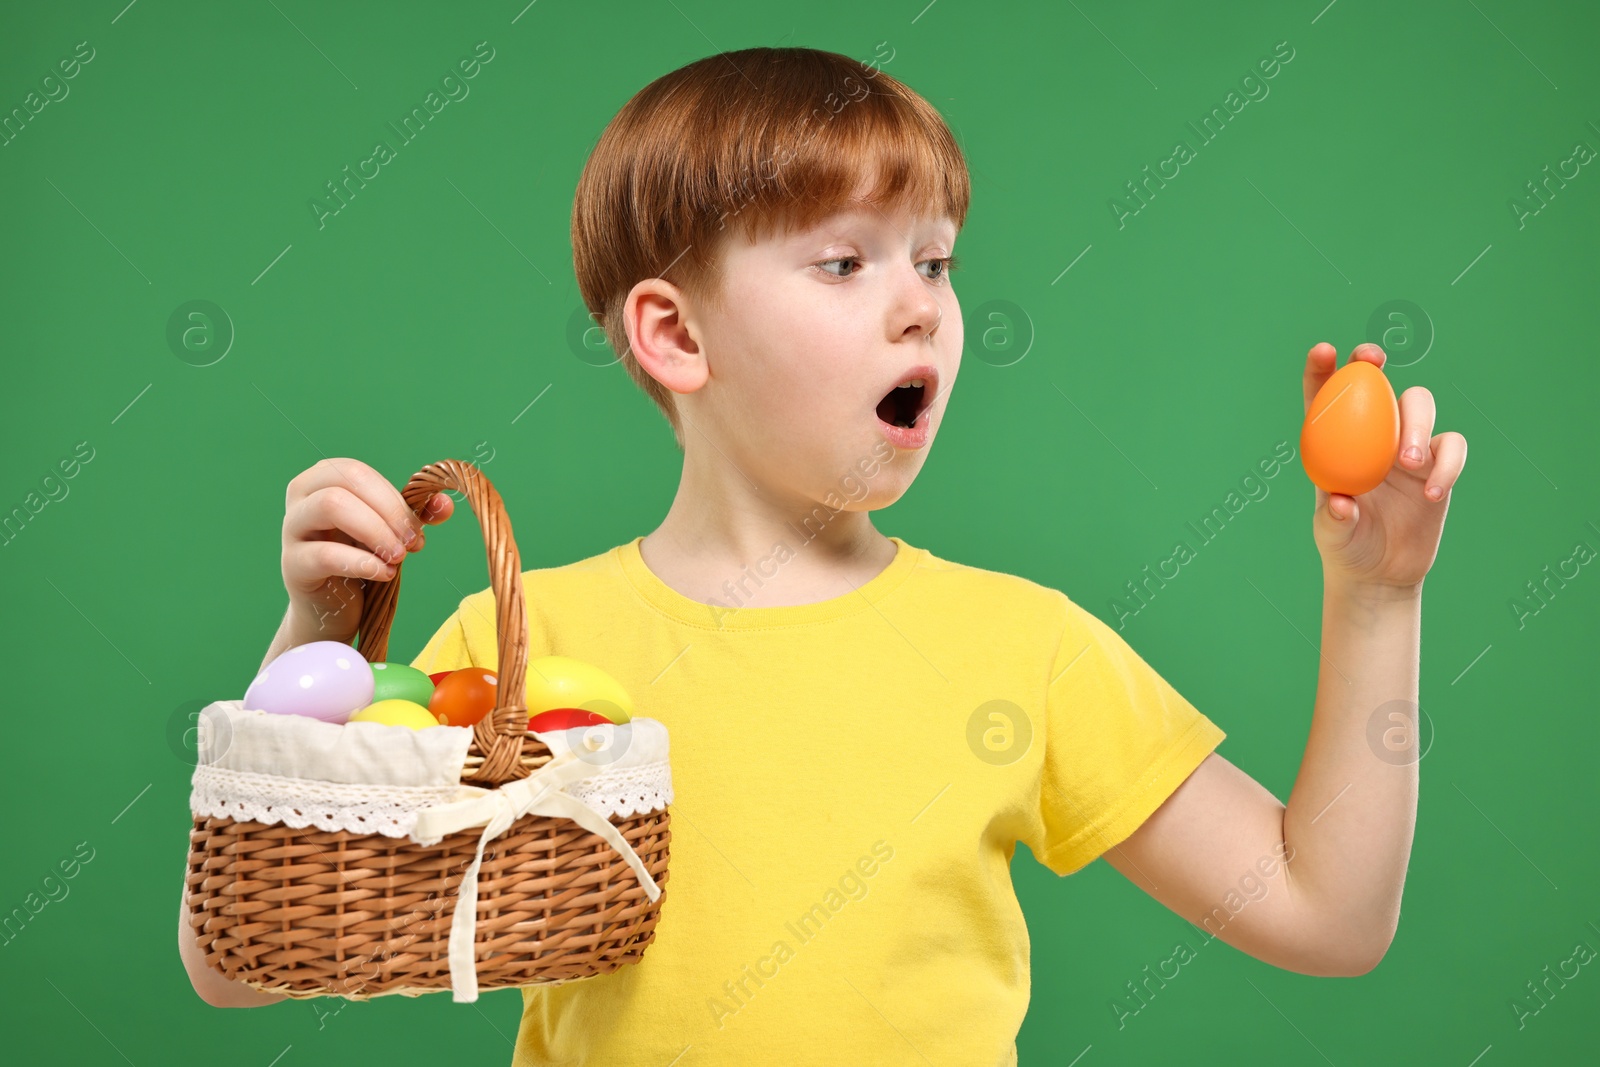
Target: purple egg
(322, 680)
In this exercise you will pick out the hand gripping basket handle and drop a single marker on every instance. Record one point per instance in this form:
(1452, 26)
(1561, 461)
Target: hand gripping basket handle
(499, 734)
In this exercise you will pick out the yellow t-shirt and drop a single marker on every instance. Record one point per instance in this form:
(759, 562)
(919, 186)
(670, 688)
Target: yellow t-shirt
(850, 780)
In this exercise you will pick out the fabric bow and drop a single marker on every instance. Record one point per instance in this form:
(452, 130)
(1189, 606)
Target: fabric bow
(496, 809)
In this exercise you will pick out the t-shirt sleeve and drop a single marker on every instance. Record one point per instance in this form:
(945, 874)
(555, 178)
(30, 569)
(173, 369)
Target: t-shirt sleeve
(1118, 741)
(447, 649)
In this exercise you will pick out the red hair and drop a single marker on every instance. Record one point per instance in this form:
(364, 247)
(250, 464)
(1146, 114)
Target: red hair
(749, 141)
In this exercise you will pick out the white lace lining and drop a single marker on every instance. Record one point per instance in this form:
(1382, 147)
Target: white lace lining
(245, 796)
(392, 810)
(628, 791)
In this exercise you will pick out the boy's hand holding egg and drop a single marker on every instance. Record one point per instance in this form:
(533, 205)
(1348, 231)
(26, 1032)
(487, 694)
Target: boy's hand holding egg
(1357, 440)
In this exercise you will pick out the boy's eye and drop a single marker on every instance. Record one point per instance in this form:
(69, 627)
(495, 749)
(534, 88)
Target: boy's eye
(841, 259)
(945, 265)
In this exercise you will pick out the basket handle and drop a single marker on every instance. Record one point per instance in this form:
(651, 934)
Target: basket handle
(499, 734)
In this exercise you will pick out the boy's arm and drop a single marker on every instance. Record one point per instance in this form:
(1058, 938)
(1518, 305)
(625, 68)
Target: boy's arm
(1313, 887)
(1211, 852)
(213, 988)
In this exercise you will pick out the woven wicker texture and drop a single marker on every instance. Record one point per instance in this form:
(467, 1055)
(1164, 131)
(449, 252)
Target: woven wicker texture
(306, 912)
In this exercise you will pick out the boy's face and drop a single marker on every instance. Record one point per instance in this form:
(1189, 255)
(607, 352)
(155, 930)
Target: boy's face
(818, 327)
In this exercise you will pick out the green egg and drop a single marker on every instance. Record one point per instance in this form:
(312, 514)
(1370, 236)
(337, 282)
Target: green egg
(396, 681)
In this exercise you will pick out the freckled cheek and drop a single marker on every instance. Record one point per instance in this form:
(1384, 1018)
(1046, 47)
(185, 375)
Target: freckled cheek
(826, 362)
(820, 361)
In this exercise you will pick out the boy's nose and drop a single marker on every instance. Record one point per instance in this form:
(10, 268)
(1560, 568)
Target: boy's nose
(920, 308)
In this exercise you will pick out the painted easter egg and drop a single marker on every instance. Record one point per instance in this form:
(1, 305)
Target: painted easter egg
(396, 713)
(323, 680)
(463, 697)
(566, 719)
(563, 682)
(396, 681)
(1351, 434)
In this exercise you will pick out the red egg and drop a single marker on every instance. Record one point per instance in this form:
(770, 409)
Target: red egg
(461, 698)
(566, 719)
(434, 678)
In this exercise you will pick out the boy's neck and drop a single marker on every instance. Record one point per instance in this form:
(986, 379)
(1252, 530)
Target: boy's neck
(784, 557)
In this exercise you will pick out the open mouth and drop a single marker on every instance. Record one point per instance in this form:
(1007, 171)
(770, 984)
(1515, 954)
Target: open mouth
(903, 404)
(906, 402)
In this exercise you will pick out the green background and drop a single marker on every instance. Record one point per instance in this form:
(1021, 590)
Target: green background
(424, 319)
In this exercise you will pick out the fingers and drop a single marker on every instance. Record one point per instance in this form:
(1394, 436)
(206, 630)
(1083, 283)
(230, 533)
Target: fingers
(438, 508)
(1417, 414)
(1371, 353)
(308, 565)
(1319, 368)
(335, 510)
(367, 485)
(1334, 525)
(1438, 459)
(1449, 457)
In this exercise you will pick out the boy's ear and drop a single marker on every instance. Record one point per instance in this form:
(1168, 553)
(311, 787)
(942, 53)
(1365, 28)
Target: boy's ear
(655, 316)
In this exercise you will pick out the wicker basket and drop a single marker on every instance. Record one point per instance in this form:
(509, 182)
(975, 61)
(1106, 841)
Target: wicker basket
(306, 912)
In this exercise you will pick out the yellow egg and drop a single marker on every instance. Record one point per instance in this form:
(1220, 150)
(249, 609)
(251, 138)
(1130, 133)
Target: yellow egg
(561, 682)
(397, 712)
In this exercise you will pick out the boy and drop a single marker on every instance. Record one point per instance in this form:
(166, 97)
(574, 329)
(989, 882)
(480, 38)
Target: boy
(861, 730)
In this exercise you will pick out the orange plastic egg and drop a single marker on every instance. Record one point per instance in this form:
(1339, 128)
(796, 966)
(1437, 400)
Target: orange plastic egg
(463, 697)
(1351, 434)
